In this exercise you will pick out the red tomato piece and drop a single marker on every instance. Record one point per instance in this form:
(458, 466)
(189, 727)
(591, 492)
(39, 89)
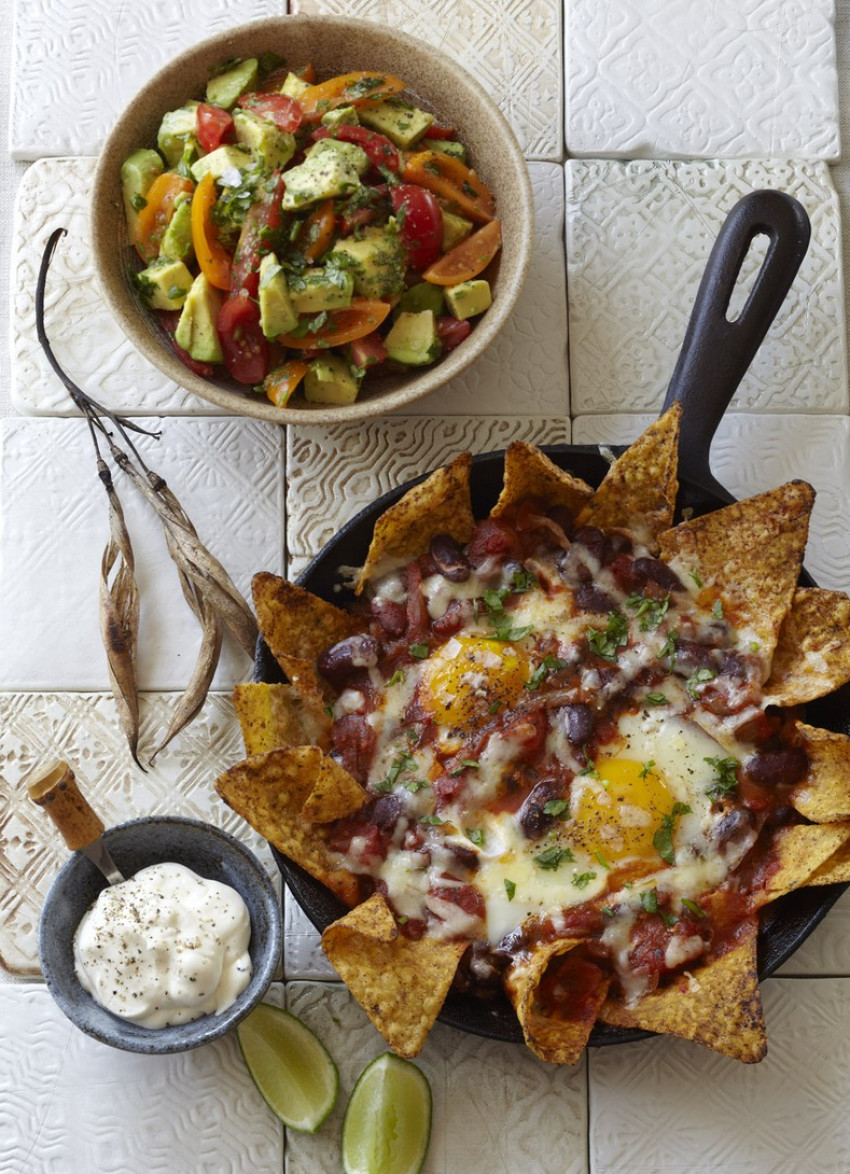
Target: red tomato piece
(246, 351)
(283, 111)
(422, 223)
(435, 131)
(215, 126)
(368, 351)
(262, 217)
(452, 331)
(379, 150)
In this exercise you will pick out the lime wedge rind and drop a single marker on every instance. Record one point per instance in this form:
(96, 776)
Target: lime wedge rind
(290, 1066)
(387, 1125)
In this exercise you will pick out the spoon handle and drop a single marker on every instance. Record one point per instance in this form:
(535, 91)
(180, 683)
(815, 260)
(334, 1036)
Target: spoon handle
(56, 790)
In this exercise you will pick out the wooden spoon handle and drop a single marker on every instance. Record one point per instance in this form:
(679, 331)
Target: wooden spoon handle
(56, 790)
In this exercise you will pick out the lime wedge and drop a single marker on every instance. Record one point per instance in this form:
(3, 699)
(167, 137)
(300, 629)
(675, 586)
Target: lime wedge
(290, 1066)
(387, 1123)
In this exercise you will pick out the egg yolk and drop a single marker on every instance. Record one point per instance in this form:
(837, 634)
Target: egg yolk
(619, 813)
(471, 677)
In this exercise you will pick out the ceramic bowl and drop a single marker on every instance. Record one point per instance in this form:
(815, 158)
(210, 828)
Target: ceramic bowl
(207, 851)
(334, 45)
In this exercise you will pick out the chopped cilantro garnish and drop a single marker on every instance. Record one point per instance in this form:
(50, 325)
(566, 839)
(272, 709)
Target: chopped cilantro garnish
(495, 706)
(398, 678)
(138, 201)
(607, 910)
(649, 611)
(522, 581)
(582, 879)
(599, 856)
(556, 807)
(329, 710)
(589, 765)
(695, 575)
(646, 768)
(717, 609)
(414, 785)
(692, 907)
(698, 678)
(549, 664)
(726, 779)
(656, 699)
(650, 901)
(503, 629)
(420, 651)
(554, 857)
(663, 838)
(668, 648)
(754, 646)
(432, 819)
(476, 835)
(608, 642)
(510, 889)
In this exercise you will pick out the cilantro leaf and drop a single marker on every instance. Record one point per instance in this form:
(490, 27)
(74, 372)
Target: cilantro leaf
(663, 839)
(649, 611)
(726, 779)
(608, 642)
(554, 857)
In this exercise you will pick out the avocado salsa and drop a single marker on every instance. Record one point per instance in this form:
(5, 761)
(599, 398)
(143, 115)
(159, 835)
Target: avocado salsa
(302, 236)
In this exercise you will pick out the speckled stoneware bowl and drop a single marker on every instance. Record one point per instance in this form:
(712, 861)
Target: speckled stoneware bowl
(334, 45)
(206, 850)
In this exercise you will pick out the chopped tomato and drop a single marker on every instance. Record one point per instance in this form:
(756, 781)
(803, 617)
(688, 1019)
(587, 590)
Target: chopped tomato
(467, 259)
(282, 382)
(435, 131)
(359, 319)
(262, 218)
(319, 230)
(448, 177)
(379, 150)
(213, 259)
(153, 219)
(368, 351)
(348, 89)
(246, 352)
(215, 126)
(452, 331)
(169, 320)
(421, 223)
(283, 111)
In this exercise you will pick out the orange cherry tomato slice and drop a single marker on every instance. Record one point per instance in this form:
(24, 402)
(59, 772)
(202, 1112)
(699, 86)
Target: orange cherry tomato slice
(467, 259)
(213, 259)
(450, 178)
(319, 230)
(153, 219)
(348, 89)
(282, 382)
(360, 318)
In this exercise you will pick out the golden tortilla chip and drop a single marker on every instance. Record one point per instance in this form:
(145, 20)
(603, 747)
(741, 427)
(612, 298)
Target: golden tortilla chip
(399, 982)
(718, 1005)
(439, 505)
(812, 655)
(557, 1039)
(749, 554)
(530, 473)
(801, 850)
(304, 679)
(823, 796)
(639, 490)
(835, 870)
(279, 715)
(296, 623)
(273, 792)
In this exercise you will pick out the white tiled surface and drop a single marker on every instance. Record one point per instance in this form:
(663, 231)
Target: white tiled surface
(732, 79)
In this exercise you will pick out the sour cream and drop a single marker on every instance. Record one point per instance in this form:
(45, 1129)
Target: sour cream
(164, 947)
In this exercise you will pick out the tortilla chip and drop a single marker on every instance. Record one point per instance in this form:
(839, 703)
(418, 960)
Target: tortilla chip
(304, 679)
(719, 1005)
(823, 796)
(552, 1038)
(749, 555)
(801, 850)
(295, 622)
(438, 505)
(835, 870)
(639, 490)
(279, 715)
(812, 655)
(273, 792)
(400, 983)
(530, 473)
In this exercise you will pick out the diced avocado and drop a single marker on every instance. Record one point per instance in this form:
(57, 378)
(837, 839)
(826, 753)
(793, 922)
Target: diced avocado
(455, 230)
(377, 260)
(469, 298)
(277, 315)
(402, 123)
(356, 156)
(176, 131)
(222, 160)
(165, 283)
(342, 116)
(413, 339)
(294, 86)
(448, 147)
(225, 88)
(328, 288)
(177, 238)
(196, 331)
(272, 148)
(423, 296)
(138, 171)
(329, 381)
(322, 176)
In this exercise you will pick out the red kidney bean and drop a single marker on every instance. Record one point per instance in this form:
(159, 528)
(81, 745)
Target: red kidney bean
(452, 619)
(615, 545)
(562, 517)
(451, 562)
(337, 663)
(579, 723)
(737, 825)
(532, 818)
(391, 616)
(386, 812)
(691, 656)
(658, 572)
(594, 599)
(591, 538)
(353, 741)
(782, 767)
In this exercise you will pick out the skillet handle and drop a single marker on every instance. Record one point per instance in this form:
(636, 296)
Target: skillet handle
(716, 352)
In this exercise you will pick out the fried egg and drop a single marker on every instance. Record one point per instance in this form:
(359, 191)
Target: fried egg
(470, 678)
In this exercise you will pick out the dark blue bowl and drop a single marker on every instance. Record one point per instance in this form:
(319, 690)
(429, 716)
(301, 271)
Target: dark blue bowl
(207, 851)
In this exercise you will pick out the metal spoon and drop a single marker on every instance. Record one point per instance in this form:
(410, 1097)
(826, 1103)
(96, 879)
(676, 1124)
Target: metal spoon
(54, 788)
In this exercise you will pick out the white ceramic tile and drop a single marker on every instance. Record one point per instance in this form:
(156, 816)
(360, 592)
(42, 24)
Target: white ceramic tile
(672, 1107)
(638, 238)
(497, 1109)
(524, 370)
(734, 79)
(512, 48)
(302, 945)
(337, 470)
(87, 341)
(753, 453)
(228, 475)
(77, 65)
(83, 729)
(72, 1105)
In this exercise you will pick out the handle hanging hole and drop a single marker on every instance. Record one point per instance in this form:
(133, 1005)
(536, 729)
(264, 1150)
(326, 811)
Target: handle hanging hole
(749, 271)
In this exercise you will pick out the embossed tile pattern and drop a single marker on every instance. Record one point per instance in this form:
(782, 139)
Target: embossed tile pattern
(731, 79)
(105, 58)
(497, 1109)
(638, 238)
(72, 1105)
(302, 945)
(512, 48)
(337, 470)
(229, 476)
(671, 1107)
(83, 729)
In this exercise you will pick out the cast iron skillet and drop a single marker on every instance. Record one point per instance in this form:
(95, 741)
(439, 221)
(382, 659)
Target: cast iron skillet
(714, 357)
